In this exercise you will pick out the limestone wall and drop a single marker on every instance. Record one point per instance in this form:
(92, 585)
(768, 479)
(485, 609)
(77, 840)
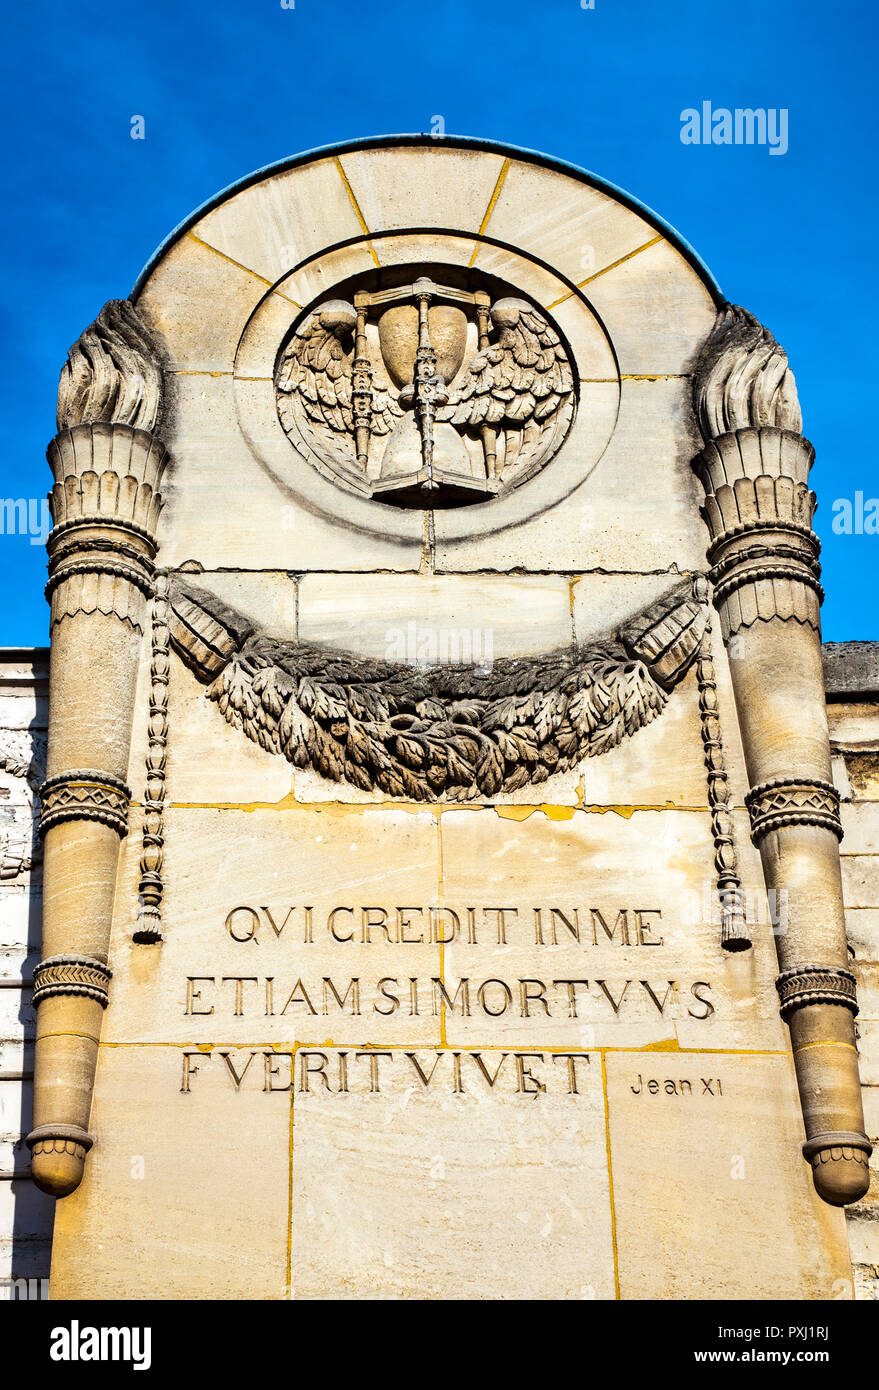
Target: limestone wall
(25, 1213)
(428, 923)
(854, 730)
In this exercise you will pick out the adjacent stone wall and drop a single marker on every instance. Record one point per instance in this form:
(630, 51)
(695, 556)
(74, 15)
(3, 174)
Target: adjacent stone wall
(852, 679)
(25, 1213)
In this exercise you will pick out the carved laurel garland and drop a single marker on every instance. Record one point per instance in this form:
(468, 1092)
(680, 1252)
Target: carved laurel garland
(733, 932)
(431, 732)
(150, 885)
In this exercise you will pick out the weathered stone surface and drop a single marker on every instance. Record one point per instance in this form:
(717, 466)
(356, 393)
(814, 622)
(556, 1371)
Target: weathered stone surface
(398, 188)
(654, 430)
(148, 1191)
(738, 1133)
(455, 1162)
(26, 1214)
(851, 670)
(441, 812)
(579, 229)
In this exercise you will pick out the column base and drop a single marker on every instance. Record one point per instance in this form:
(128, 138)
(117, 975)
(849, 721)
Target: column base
(58, 1155)
(840, 1166)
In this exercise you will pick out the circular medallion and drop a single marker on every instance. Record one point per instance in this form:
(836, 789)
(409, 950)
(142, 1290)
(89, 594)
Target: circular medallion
(426, 386)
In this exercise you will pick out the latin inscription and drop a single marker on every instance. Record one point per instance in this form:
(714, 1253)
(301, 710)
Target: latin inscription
(367, 1071)
(416, 926)
(251, 996)
(305, 992)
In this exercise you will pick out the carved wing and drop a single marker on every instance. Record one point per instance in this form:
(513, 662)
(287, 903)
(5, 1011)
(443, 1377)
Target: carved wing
(386, 410)
(316, 368)
(424, 733)
(517, 384)
(315, 386)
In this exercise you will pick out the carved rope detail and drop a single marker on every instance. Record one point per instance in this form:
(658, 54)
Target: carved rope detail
(734, 933)
(150, 886)
(72, 974)
(759, 562)
(793, 801)
(815, 984)
(750, 528)
(85, 795)
(139, 577)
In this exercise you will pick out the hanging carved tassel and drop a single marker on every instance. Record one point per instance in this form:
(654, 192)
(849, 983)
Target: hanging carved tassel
(149, 920)
(733, 930)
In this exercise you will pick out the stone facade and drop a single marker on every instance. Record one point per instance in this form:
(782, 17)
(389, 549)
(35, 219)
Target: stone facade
(852, 677)
(438, 815)
(27, 1214)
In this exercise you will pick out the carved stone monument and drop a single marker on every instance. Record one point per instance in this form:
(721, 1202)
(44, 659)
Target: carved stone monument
(442, 880)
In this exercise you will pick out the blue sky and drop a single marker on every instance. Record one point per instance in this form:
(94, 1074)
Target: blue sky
(227, 87)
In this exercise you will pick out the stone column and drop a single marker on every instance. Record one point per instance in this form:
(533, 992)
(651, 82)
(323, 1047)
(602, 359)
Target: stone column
(105, 504)
(765, 573)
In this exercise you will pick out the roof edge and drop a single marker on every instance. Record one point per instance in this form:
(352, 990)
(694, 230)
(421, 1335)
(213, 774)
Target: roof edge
(464, 142)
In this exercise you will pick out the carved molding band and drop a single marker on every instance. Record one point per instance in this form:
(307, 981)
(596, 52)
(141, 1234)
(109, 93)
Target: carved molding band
(118, 523)
(105, 505)
(755, 528)
(69, 1139)
(72, 974)
(734, 932)
(150, 886)
(755, 562)
(85, 795)
(815, 984)
(793, 801)
(76, 568)
(94, 538)
(834, 1145)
